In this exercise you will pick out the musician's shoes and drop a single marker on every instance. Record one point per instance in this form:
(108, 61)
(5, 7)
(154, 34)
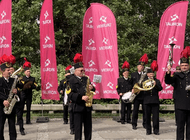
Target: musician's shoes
(134, 127)
(72, 132)
(122, 122)
(28, 123)
(22, 132)
(65, 122)
(148, 133)
(129, 122)
(156, 133)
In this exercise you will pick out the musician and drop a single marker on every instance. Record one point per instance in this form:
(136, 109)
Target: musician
(18, 104)
(139, 98)
(182, 100)
(178, 69)
(124, 85)
(6, 83)
(26, 95)
(62, 89)
(82, 114)
(151, 101)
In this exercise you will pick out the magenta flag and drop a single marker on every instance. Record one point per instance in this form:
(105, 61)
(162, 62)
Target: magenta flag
(99, 49)
(49, 81)
(172, 30)
(5, 27)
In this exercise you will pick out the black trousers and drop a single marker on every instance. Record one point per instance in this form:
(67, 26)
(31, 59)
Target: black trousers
(71, 116)
(175, 112)
(11, 122)
(154, 109)
(123, 108)
(65, 113)
(19, 114)
(137, 102)
(28, 100)
(183, 118)
(86, 118)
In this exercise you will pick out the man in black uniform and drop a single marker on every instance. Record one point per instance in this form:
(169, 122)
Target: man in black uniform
(123, 86)
(5, 86)
(151, 101)
(178, 69)
(63, 88)
(26, 95)
(139, 98)
(18, 105)
(82, 114)
(181, 80)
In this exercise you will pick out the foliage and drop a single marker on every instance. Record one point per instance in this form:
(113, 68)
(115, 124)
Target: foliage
(167, 101)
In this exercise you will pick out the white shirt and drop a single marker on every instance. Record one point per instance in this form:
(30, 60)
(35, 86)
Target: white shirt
(125, 78)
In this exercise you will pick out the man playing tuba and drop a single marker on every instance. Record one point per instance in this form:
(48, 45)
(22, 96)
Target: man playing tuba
(151, 101)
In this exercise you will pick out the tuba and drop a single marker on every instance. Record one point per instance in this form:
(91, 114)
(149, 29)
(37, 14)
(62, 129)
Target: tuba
(89, 93)
(141, 86)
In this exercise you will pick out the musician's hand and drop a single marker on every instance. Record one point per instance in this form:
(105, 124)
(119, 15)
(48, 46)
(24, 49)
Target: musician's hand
(61, 91)
(85, 98)
(15, 91)
(90, 87)
(169, 69)
(120, 94)
(132, 90)
(5, 103)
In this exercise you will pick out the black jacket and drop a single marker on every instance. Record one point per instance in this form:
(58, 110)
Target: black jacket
(5, 89)
(78, 89)
(134, 79)
(151, 96)
(123, 85)
(180, 80)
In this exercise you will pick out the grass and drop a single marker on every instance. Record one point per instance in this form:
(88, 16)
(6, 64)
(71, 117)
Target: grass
(165, 115)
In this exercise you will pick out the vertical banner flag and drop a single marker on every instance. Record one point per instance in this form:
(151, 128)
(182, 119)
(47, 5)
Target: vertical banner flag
(5, 27)
(100, 49)
(172, 30)
(49, 81)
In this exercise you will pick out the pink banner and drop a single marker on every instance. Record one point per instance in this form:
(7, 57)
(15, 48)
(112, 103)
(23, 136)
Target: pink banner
(100, 49)
(172, 30)
(5, 27)
(49, 81)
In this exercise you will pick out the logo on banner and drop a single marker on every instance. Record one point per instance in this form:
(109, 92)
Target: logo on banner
(3, 21)
(172, 69)
(110, 69)
(111, 91)
(105, 41)
(47, 63)
(105, 24)
(91, 41)
(2, 39)
(48, 86)
(3, 14)
(90, 23)
(172, 40)
(90, 64)
(46, 39)
(110, 85)
(173, 19)
(46, 21)
(166, 90)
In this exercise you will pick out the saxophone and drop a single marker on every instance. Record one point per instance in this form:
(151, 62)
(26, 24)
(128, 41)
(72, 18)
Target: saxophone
(12, 100)
(89, 93)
